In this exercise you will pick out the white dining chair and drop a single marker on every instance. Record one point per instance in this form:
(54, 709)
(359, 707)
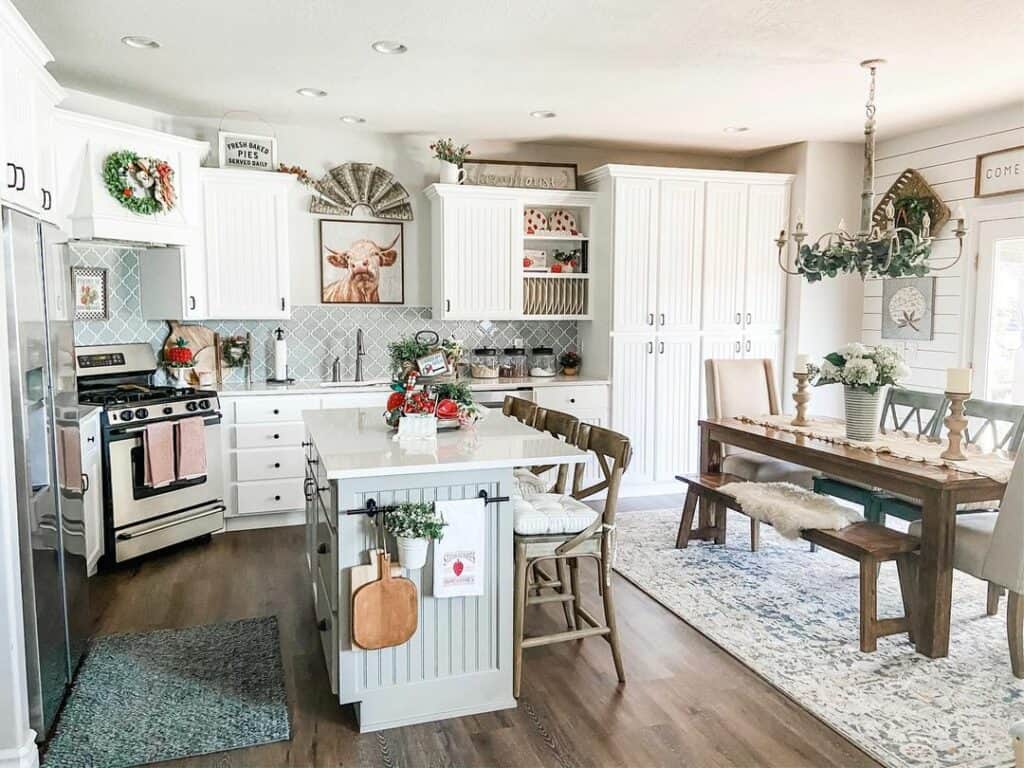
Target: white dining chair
(990, 546)
(747, 388)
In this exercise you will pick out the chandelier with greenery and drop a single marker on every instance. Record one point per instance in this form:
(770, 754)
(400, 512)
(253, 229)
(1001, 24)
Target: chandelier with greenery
(873, 251)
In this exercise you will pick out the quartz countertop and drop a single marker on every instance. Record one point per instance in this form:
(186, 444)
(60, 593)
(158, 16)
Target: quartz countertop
(476, 385)
(355, 442)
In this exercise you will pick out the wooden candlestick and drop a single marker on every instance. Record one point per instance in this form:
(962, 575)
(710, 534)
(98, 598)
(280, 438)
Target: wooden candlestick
(956, 423)
(801, 397)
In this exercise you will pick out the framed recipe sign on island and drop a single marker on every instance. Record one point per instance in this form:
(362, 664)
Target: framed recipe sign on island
(511, 173)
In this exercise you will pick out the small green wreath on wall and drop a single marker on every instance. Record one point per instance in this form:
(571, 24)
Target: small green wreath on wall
(143, 185)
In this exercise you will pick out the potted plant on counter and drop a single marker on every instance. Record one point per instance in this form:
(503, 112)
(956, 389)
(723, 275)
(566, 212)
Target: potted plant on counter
(862, 371)
(414, 526)
(570, 361)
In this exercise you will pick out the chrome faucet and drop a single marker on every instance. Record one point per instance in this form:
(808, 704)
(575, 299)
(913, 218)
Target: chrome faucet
(360, 354)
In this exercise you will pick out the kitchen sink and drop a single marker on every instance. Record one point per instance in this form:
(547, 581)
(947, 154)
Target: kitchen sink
(354, 384)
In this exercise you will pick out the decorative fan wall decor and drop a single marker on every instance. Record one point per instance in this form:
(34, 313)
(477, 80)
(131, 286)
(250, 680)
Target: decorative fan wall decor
(354, 185)
(911, 197)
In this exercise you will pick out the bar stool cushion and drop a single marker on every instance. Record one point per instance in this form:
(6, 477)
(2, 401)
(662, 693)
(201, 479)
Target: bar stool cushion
(551, 513)
(527, 485)
(973, 536)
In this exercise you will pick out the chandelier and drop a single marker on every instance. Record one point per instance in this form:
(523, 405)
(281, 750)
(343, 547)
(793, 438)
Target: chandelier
(873, 251)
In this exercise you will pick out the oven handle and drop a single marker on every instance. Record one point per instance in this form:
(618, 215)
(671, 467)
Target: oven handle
(122, 432)
(172, 523)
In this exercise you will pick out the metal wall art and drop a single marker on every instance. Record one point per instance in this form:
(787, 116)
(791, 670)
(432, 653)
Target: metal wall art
(351, 186)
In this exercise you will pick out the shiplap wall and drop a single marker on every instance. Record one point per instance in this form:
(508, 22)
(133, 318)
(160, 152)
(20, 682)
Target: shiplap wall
(945, 156)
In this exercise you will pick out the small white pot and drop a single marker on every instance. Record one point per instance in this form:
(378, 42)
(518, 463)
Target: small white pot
(412, 553)
(451, 173)
(862, 409)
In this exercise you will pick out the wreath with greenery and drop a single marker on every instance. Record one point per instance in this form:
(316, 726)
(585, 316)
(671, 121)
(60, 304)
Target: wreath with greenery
(863, 258)
(143, 185)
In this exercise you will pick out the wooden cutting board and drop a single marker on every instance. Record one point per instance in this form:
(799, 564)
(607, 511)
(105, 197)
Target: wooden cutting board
(359, 575)
(384, 612)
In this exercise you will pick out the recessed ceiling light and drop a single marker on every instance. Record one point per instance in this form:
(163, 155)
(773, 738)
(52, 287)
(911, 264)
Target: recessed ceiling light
(311, 92)
(139, 41)
(389, 46)
(352, 119)
(735, 129)
(543, 114)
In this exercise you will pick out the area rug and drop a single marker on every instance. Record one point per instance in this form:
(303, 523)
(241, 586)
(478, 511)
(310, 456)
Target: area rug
(792, 616)
(143, 698)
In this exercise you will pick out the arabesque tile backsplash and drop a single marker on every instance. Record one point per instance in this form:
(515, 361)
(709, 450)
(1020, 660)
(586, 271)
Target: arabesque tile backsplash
(316, 333)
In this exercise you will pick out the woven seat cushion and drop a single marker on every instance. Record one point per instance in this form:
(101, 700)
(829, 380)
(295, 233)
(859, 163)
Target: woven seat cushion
(548, 513)
(973, 534)
(758, 468)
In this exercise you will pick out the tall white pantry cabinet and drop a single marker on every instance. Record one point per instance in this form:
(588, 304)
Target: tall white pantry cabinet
(689, 272)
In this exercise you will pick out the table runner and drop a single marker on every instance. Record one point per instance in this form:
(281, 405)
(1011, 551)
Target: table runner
(995, 465)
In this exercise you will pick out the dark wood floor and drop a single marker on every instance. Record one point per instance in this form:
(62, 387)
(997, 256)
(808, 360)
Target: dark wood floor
(686, 702)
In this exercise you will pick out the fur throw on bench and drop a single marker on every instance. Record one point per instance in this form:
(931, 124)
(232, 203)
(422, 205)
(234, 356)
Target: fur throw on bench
(789, 508)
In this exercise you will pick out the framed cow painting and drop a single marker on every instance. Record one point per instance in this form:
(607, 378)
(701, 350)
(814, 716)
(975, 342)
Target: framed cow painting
(361, 262)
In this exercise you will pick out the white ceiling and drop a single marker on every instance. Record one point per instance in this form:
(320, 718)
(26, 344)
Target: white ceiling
(664, 73)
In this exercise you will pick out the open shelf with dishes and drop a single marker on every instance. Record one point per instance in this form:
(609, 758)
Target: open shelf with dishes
(556, 259)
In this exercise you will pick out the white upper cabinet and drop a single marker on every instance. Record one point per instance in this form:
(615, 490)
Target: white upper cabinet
(680, 254)
(634, 254)
(29, 94)
(172, 283)
(90, 209)
(245, 244)
(765, 292)
(725, 243)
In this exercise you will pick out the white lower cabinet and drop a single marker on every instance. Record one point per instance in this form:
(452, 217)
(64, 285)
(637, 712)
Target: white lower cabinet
(588, 403)
(654, 402)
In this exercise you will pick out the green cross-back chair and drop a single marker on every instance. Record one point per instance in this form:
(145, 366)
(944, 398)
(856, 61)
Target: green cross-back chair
(996, 425)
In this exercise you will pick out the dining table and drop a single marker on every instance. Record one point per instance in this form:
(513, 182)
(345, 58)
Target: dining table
(938, 486)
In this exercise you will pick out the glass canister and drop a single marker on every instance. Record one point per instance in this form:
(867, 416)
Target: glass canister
(484, 364)
(513, 363)
(543, 362)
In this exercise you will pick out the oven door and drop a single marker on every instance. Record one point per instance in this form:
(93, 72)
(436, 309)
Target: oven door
(132, 501)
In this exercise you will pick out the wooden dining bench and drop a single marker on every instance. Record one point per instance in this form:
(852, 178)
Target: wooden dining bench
(870, 544)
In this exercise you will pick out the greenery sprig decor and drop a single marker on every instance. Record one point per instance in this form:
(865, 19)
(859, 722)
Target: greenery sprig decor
(414, 521)
(143, 185)
(445, 149)
(867, 258)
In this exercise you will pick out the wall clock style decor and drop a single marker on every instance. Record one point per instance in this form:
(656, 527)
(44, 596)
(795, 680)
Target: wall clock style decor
(89, 285)
(908, 308)
(351, 186)
(144, 185)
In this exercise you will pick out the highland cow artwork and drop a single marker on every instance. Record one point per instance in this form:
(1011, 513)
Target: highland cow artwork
(361, 262)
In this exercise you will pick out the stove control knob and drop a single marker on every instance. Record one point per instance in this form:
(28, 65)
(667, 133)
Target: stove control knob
(141, 413)
(191, 405)
(204, 404)
(168, 410)
(127, 415)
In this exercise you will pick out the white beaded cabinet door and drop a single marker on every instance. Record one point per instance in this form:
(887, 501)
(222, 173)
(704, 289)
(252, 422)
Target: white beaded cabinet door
(725, 244)
(635, 254)
(765, 291)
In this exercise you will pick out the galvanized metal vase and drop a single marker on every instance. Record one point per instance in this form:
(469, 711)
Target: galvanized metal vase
(862, 412)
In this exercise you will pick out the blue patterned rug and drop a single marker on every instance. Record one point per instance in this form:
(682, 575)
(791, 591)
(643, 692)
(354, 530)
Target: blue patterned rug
(144, 698)
(792, 617)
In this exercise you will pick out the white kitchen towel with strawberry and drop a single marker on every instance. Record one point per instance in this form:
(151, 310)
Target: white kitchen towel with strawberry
(459, 559)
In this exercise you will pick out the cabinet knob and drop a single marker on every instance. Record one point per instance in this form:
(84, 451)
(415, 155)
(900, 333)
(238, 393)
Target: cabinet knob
(277, 437)
(277, 498)
(322, 548)
(323, 625)
(277, 465)
(276, 411)
(572, 399)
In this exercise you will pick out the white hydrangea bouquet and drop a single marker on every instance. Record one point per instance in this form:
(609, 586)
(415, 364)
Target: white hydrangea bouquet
(863, 371)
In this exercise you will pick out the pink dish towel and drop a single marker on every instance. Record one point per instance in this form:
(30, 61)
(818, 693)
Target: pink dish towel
(158, 450)
(69, 439)
(191, 434)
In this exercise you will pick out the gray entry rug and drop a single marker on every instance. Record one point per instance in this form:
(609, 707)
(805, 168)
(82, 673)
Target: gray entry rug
(143, 698)
(792, 617)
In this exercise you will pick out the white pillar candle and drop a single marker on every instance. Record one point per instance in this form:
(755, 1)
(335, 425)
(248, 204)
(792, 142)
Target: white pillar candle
(958, 380)
(801, 364)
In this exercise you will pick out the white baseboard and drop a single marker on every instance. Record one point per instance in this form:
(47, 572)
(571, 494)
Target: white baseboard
(25, 756)
(271, 520)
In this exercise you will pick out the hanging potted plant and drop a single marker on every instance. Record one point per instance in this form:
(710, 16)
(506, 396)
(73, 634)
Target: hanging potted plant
(862, 371)
(414, 526)
(452, 158)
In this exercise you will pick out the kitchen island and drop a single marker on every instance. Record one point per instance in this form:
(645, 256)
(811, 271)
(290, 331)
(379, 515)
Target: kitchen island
(459, 661)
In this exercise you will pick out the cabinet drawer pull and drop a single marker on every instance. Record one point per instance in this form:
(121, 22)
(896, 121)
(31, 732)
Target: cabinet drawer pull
(662, 317)
(14, 176)
(309, 488)
(323, 625)
(661, 347)
(738, 347)
(748, 345)
(282, 303)
(750, 318)
(739, 319)
(447, 305)
(322, 548)
(92, 438)
(85, 483)
(650, 318)
(191, 302)
(307, 443)
(650, 347)
(46, 199)
(21, 186)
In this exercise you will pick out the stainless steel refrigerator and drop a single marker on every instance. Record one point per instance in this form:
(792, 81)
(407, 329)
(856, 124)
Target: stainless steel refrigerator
(48, 464)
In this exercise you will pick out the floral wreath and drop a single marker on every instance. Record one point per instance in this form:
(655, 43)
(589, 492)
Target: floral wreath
(143, 185)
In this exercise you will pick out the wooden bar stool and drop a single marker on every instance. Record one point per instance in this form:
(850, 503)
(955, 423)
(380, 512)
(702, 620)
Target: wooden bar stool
(521, 410)
(561, 528)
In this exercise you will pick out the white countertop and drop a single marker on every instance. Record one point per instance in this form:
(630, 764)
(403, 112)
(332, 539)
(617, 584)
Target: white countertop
(476, 385)
(355, 442)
